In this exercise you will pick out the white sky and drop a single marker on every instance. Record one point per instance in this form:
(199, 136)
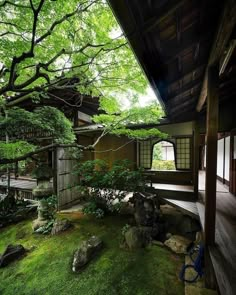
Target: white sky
(144, 100)
(148, 98)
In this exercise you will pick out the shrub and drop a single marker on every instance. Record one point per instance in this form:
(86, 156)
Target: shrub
(163, 165)
(92, 209)
(108, 187)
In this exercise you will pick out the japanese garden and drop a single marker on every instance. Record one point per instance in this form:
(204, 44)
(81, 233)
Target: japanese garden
(117, 169)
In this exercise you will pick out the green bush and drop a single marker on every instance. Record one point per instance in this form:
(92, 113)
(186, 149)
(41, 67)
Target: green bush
(92, 209)
(163, 165)
(106, 188)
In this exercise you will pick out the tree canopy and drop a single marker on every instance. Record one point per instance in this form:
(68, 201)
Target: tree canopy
(43, 43)
(56, 44)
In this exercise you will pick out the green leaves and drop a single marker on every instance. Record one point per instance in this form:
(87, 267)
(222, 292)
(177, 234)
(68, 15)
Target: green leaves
(12, 150)
(72, 38)
(133, 122)
(49, 119)
(54, 121)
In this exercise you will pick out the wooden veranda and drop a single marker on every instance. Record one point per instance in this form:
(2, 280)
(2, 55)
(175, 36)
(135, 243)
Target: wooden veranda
(187, 50)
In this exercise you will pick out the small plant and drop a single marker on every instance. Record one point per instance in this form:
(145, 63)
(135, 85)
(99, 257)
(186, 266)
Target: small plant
(52, 206)
(92, 209)
(46, 229)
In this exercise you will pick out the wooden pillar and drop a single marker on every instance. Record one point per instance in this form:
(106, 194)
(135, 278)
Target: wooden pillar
(211, 154)
(54, 168)
(76, 118)
(196, 141)
(232, 177)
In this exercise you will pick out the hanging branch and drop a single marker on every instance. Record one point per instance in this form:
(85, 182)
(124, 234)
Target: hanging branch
(40, 150)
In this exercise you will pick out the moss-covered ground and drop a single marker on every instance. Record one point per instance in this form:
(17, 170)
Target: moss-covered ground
(46, 269)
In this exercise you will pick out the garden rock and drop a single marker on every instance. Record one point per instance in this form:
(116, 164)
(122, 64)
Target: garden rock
(139, 237)
(134, 238)
(178, 244)
(145, 211)
(88, 250)
(60, 226)
(12, 253)
(178, 223)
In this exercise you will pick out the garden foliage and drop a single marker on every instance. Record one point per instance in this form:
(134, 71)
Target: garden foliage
(106, 188)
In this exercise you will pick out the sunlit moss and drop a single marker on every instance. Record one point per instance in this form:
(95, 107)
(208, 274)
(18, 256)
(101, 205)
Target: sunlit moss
(47, 267)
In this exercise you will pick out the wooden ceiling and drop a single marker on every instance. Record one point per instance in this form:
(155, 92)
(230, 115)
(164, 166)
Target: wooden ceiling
(172, 41)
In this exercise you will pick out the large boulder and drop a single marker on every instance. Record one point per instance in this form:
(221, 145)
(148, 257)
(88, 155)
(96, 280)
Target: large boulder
(178, 244)
(86, 252)
(60, 226)
(12, 253)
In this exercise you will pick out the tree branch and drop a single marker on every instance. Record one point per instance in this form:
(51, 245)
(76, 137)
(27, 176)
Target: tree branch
(4, 3)
(29, 54)
(40, 150)
(64, 18)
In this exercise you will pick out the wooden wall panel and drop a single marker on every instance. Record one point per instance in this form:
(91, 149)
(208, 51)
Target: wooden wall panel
(67, 181)
(112, 148)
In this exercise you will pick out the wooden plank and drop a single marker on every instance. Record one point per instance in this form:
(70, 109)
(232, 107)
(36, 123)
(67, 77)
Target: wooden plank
(226, 26)
(155, 21)
(211, 154)
(201, 212)
(232, 183)
(223, 253)
(189, 208)
(196, 141)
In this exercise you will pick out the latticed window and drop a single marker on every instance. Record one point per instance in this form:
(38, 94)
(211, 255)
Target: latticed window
(183, 155)
(145, 154)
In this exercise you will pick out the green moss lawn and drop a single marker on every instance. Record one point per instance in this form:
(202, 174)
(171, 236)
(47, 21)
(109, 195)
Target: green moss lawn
(47, 267)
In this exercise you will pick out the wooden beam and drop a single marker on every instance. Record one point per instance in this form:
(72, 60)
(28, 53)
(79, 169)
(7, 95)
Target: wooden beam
(232, 182)
(225, 29)
(155, 21)
(178, 25)
(185, 88)
(211, 153)
(194, 71)
(196, 141)
(187, 107)
(172, 53)
(184, 98)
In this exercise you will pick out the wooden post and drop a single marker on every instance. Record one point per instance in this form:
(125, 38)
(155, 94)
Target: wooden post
(211, 154)
(232, 180)
(54, 167)
(196, 141)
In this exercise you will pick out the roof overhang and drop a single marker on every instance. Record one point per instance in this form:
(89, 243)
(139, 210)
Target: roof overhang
(172, 41)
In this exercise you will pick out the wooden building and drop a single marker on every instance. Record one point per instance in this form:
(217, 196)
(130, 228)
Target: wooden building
(187, 51)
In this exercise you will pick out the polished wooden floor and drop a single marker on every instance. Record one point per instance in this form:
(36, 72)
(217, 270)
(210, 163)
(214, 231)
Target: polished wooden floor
(223, 254)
